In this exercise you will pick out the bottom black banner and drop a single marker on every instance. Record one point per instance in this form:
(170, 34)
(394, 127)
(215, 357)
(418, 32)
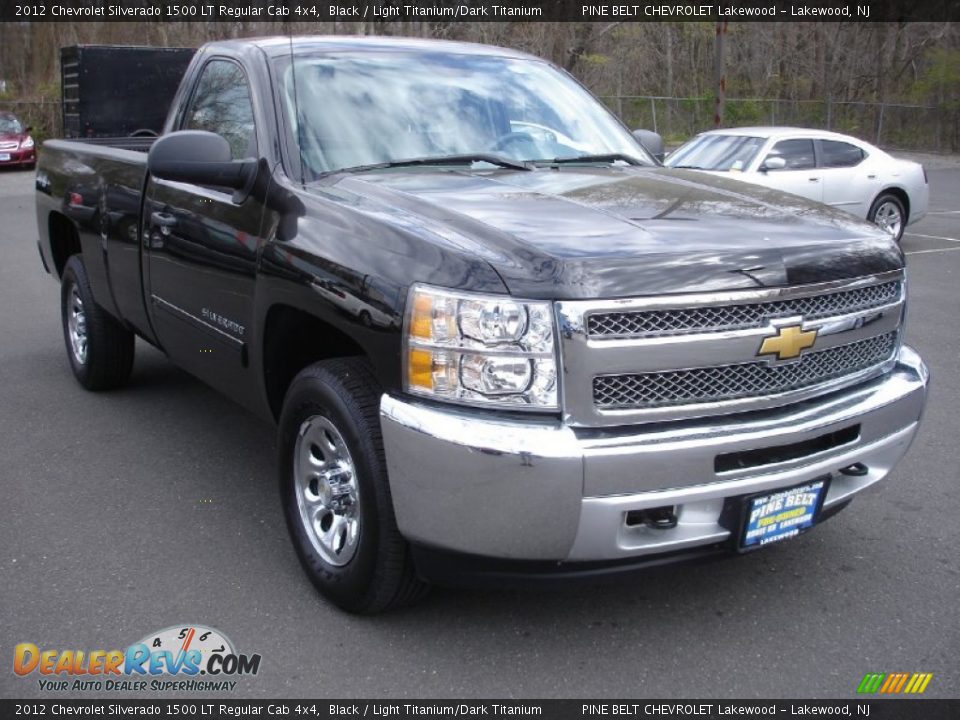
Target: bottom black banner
(899, 709)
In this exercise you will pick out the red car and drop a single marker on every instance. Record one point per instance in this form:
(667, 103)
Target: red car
(16, 145)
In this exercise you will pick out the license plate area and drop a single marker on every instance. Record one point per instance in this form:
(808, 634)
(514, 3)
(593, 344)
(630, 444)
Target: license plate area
(4, 157)
(782, 514)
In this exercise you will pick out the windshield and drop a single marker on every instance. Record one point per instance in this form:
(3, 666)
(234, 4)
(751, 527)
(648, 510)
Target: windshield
(9, 125)
(716, 152)
(368, 109)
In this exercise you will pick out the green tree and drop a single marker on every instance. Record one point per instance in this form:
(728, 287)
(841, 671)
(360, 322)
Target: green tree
(940, 84)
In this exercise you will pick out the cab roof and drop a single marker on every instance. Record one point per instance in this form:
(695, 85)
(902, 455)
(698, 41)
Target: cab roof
(279, 46)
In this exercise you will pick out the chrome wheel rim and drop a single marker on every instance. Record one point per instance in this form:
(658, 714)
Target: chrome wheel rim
(328, 496)
(77, 326)
(889, 218)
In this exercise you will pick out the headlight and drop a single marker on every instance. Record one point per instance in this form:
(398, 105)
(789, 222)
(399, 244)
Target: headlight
(486, 350)
(27, 144)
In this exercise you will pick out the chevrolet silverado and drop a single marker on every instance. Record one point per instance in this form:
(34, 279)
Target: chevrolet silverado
(499, 341)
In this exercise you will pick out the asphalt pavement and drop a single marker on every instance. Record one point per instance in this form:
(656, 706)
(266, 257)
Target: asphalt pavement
(127, 512)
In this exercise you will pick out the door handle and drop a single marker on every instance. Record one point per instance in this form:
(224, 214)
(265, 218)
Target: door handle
(871, 177)
(814, 179)
(162, 219)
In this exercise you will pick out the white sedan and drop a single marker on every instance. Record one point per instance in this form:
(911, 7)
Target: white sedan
(835, 169)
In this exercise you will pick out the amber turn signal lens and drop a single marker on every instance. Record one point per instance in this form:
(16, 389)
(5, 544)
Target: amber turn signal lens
(420, 369)
(422, 316)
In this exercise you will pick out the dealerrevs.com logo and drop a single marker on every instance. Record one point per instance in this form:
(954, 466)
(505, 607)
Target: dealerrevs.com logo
(178, 658)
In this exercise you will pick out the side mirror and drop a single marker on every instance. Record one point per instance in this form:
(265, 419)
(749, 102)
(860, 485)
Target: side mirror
(201, 158)
(773, 163)
(28, 129)
(651, 142)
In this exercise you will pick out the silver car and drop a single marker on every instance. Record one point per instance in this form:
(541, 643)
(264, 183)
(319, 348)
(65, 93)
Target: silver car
(835, 169)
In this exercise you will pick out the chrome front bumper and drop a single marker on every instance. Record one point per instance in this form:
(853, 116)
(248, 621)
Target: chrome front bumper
(534, 489)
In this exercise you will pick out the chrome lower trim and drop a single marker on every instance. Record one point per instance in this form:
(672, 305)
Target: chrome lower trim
(182, 314)
(537, 489)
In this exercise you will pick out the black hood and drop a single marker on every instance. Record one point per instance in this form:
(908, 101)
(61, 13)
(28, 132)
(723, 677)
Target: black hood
(611, 232)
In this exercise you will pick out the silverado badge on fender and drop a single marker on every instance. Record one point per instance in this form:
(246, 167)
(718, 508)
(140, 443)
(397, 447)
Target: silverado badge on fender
(788, 343)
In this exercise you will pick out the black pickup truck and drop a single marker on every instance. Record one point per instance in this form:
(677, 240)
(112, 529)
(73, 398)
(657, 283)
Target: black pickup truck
(500, 342)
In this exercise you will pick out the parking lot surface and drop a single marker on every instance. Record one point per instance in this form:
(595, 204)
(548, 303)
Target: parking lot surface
(128, 512)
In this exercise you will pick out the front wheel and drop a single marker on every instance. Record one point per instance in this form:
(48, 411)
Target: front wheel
(888, 213)
(335, 493)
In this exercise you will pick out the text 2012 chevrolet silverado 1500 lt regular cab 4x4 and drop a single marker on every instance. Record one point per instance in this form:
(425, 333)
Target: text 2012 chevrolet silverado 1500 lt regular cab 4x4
(498, 340)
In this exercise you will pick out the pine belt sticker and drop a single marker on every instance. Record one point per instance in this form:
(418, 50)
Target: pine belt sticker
(783, 514)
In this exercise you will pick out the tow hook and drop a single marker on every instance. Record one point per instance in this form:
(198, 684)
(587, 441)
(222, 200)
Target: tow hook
(855, 470)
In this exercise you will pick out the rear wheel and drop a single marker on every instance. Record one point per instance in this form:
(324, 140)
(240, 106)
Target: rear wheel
(335, 493)
(99, 348)
(888, 213)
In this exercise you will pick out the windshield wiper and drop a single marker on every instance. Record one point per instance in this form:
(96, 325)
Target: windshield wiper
(599, 158)
(465, 159)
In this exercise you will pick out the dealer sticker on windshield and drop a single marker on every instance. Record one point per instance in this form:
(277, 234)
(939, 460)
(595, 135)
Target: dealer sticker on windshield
(782, 514)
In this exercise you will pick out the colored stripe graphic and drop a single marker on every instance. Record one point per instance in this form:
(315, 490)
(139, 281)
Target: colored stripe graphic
(900, 681)
(888, 683)
(870, 683)
(894, 683)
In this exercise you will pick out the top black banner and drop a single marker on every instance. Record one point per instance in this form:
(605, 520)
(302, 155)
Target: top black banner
(372, 11)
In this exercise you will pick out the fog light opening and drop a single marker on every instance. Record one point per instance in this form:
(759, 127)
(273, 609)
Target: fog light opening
(658, 518)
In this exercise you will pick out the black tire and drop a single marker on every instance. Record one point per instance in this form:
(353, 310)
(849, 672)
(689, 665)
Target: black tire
(380, 574)
(881, 206)
(108, 359)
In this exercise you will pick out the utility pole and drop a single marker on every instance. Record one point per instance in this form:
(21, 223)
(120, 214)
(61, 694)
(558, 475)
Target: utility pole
(720, 73)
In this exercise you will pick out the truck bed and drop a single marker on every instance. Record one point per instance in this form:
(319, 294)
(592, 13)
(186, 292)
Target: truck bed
(98, 185)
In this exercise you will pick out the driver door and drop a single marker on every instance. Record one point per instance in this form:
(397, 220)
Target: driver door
(203, 246)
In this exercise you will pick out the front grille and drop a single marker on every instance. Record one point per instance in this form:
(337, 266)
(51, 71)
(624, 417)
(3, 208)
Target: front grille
(9, 145)
(731, 382)
(718, 318)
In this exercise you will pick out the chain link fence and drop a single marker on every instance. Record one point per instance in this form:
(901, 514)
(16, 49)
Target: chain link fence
(892, 125)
